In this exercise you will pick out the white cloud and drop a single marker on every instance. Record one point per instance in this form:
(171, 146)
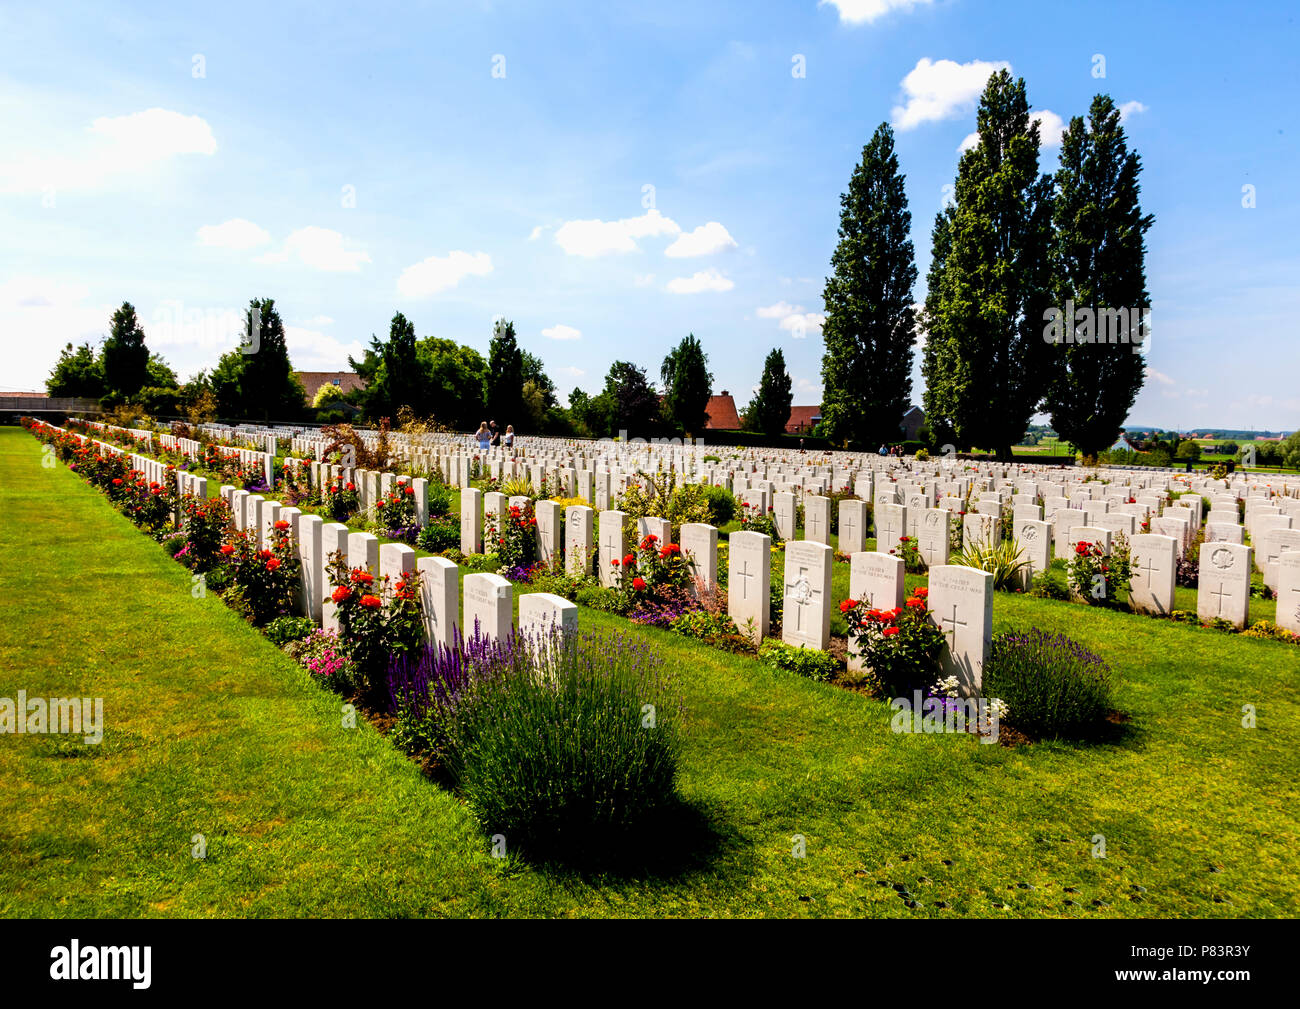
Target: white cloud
(561, 332)
(860, 12)
(599, 238)
(705, 280)
(1130, 109)
(703, 241)
(111, 148)
(536, 233)
(972, 140)
(643, 279)
(319, 248)
(794, 320)
(1158, 376)
(803, 324)
(571, 371)
(1050, 127)
(236, 233)
(438, 273)
(941, 90)
(311, 350)
(318, 320)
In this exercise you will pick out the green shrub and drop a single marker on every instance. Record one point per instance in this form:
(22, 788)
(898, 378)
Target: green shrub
(722, 505)
(439, 498)
(1052, 686)
(571, 755)
(1005, 560)
(810, 662)
(717, 630)
(1054, 583)
(442, 533)
(282, 630)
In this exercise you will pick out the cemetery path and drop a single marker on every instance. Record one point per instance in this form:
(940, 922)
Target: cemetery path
(209, 730)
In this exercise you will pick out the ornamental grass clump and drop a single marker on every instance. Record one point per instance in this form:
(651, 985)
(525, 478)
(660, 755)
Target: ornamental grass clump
(1053, 686)
(571, 754)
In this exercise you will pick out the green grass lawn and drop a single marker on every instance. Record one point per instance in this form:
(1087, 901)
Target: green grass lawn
(211, 730)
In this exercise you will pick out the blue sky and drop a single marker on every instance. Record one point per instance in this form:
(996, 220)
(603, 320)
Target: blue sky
(459, 161)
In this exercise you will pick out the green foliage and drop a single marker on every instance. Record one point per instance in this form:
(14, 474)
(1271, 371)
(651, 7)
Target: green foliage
(1005, 560)
(630, 402)
(1052, 685)
(77, 373)
(769, 410)
(717, 630)
(505, 374)
(441, 533)
(282, 630)
(810, 662)
(687, 384)
(869, 328)
(722, 505)
(986, 365)
(1098, 260)
(125, 358)
(256, 379)
(563, 759)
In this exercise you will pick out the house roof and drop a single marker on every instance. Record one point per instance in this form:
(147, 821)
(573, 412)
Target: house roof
(313, 380)
(722, 413)
(803, 419)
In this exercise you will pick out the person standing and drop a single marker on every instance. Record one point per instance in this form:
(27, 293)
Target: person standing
(483, 436)
(510, 436)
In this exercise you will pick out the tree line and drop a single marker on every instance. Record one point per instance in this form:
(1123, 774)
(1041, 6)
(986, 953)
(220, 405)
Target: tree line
(1010, 250)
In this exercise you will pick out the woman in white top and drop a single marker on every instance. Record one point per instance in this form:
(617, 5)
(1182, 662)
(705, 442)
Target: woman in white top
(510, 436)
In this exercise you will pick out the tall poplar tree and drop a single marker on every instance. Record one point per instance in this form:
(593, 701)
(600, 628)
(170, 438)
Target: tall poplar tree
(1098, 257)
(985, 316)
(869, 328)
(687, 385)
(125, 356)
(505, 378)
(769, 411)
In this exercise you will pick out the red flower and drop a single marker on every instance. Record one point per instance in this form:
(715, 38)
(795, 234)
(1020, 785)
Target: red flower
(914, 602)
(341, 594)
(371, 602)
(227, 549)
(847, 605)
(1081, 548)
(351, 486)
(920, 593)
(282, 524)
(889, 631)
(410, 490)
(362, 577)
(638, 583)
(117, 481)
(630, 559)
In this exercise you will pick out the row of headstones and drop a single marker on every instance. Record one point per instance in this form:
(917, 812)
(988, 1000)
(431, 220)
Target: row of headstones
(488, 598)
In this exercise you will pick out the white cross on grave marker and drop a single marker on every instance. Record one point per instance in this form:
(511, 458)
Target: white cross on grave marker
(1223, 583)
(961, 606)
(806, 615)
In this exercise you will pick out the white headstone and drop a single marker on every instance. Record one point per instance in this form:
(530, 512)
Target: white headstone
(1223, 583)
(961, 606)
(489, 605)
(806, 610)
(1154, 567)
(749, 574)
(439, 592)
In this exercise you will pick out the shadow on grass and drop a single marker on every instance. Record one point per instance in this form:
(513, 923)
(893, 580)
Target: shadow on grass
(684, 839)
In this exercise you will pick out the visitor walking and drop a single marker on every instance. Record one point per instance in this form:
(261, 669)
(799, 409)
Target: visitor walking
(483, 436)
